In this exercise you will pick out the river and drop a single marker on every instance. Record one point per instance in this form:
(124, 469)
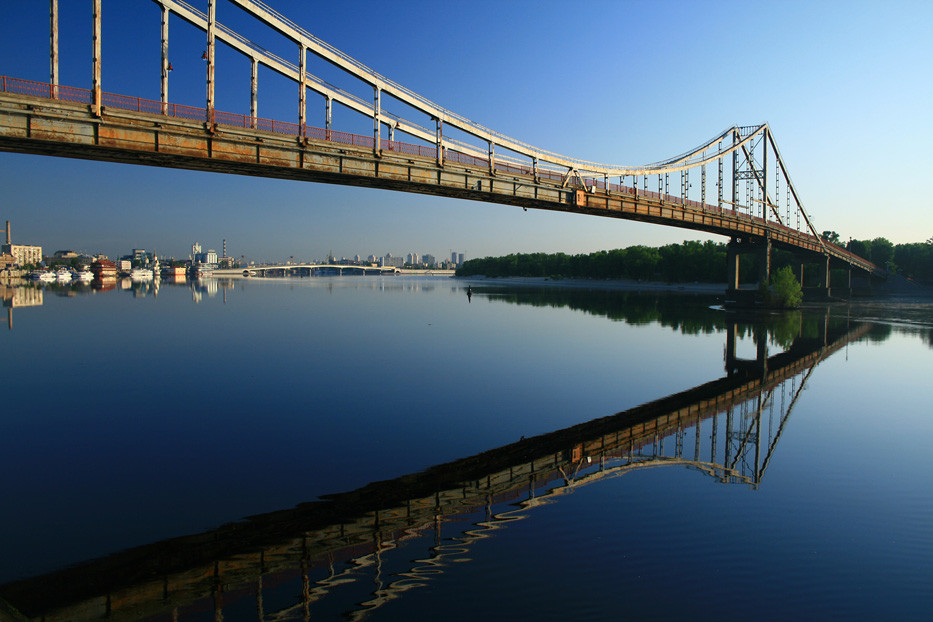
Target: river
(390, 448)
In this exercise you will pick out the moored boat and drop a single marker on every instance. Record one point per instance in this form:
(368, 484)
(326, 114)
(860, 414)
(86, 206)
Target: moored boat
(104, 268)
(199, 270)
(173, 271)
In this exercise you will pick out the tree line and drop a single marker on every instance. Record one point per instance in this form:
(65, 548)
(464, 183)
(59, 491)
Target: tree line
(691, 261)
(914, 260)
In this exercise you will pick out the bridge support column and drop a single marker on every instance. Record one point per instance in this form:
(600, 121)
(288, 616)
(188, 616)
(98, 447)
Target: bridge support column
(824, 275)
(302, 91)
(764, 264)
(732, 265)
(328, 108)
(377, 119)
(95, 83)
(53, 46)
(211, 25)
(821, 289)
(254, 93)
(165, 16)
(440, 142)
(740, 246)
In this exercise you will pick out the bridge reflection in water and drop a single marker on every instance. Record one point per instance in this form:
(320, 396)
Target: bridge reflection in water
(341, 541)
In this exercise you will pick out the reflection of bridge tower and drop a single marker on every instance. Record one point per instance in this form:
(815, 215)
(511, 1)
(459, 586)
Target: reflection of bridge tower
(762, 333)
(728, 429)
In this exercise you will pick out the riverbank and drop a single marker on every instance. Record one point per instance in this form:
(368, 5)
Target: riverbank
(897, 287)
(615, 284)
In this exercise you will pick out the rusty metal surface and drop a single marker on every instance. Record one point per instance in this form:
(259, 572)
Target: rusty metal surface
(132, 133)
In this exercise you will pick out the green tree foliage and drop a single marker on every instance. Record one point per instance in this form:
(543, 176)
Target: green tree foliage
(830, 236)
(785, 328)
(691, 261)
(862, 248)
(882, 251)
(687, 262)
(786, 291)
(915, 260)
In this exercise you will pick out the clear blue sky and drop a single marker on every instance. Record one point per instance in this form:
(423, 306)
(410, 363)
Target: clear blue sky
(847, 88)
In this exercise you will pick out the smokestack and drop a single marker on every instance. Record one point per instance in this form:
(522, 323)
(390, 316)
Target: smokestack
(8, 232)
(225, 248)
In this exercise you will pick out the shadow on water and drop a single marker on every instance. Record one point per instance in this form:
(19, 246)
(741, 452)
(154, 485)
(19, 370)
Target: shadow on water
(320, 546)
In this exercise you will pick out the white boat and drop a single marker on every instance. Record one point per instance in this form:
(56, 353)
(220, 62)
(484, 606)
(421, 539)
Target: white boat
(42, 275)
(141, 274)
(62, 275)
(83, 275)
(199, 270)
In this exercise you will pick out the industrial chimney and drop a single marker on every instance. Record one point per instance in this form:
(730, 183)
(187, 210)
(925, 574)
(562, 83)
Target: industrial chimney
(8, 232)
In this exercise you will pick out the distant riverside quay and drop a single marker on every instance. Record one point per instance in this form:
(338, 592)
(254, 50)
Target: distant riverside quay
(319, 269)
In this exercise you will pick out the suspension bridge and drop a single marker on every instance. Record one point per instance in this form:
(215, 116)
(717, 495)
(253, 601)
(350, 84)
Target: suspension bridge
(745, 190)
(727, 429)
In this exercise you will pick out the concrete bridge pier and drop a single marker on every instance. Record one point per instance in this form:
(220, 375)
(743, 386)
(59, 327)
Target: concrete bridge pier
(823, 289)
(744, 246)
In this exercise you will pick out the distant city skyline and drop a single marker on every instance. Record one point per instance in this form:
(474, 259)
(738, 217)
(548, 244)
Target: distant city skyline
(844, 91)
(195, 249)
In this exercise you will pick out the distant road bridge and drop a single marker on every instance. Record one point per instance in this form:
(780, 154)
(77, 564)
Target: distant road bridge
(341, 269)
(755, 203)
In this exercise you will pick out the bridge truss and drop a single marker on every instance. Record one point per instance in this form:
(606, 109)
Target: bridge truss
(735, 184)
(740, 154)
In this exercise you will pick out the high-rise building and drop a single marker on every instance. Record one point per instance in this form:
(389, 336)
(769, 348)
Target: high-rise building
(453, 257)
(460, 259)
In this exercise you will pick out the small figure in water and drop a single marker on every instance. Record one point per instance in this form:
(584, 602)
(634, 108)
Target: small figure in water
(469, 294)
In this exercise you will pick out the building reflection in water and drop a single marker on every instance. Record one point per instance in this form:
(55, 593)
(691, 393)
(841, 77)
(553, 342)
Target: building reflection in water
(18, 296)
(727, 429)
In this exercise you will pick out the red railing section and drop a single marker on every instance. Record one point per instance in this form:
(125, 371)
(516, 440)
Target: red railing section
(137, 104)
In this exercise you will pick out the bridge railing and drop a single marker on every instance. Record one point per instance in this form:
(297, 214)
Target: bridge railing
(45, 90)
(77, 95)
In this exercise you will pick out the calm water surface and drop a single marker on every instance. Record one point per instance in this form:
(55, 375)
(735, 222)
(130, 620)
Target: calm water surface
(390, 449)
